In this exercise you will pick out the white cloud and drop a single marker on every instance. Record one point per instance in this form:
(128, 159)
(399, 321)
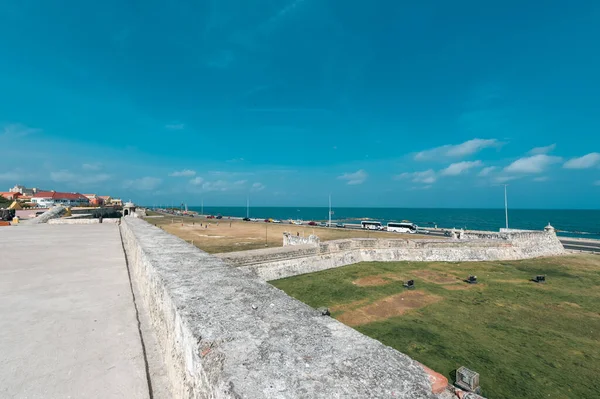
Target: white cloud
(183, 173)
(541, 178)
(533, 164)
(91, 166)
(357, 177)
(66, 176)
(542, 150)
(426, 176)
(16, 130)
(144, 184)
(427, 187)
(257, 187)
(584, 162)
(597, 183)
(224, 174)
(196, 181)
(486, 171)
(505, 179)
(458, 168)
(459, 150)
(175, 126)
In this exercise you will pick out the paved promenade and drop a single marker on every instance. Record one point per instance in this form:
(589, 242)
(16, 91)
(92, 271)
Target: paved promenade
(68, 326)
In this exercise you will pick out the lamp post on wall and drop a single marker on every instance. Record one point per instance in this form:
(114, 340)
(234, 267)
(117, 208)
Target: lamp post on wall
(506, 205)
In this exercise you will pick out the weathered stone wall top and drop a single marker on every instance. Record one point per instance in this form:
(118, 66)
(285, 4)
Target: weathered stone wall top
(291, 239)
(231, 335)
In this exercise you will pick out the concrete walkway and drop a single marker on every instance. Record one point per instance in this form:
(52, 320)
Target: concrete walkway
(68, 325)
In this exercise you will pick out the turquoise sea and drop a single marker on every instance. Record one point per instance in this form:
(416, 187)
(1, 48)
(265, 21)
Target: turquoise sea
(574, 223)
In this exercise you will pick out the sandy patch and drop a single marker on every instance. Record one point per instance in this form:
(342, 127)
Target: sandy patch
(372, 281)
(391, 306)
(436, 277)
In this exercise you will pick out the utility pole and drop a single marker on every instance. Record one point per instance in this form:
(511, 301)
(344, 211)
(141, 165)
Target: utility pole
(329, 225)
(202, 207)
(248, 207)
(506, 205)
(266, 227)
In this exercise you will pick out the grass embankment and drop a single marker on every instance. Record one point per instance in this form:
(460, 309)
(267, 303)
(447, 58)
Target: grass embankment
(237, 235)
(526, 340)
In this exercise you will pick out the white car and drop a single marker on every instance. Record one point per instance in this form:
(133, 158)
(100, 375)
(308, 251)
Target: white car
(276, 221)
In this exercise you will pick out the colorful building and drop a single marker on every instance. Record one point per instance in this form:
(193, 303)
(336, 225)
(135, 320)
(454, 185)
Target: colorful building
(24, 190)
(10, 195)
(95, 200)
(45, 199)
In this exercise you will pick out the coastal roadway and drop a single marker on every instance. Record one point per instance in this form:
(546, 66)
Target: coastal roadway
(580, 245)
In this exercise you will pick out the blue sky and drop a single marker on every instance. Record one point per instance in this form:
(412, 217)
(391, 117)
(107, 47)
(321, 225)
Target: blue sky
(380, 103)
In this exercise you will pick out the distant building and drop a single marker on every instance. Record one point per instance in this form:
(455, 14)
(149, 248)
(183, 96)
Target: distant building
(44, 199)
(116, 202)
(107, 199)
(95, 200)
(10, 195)
(24, 190)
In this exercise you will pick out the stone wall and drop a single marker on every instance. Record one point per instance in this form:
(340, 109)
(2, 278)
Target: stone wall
(82, 221)
(290, 239)
(227, 334)
(272, 264)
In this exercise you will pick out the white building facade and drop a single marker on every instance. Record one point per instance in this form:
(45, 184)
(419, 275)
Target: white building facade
(46, 199)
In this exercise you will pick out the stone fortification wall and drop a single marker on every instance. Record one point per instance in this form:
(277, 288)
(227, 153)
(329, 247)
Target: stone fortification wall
(290, 239)
(272, 264)
(227, 334)
(82, 221)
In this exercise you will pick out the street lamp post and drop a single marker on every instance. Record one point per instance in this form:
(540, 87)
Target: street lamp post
(506, 205)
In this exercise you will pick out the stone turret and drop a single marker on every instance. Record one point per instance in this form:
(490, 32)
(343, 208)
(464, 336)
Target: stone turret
(129, 209)
(550, 229)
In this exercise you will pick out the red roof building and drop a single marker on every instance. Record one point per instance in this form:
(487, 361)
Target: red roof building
(10, 195)
(49, 198)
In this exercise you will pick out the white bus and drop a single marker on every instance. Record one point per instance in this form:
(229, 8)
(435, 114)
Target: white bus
(404, 227)
(371, 225)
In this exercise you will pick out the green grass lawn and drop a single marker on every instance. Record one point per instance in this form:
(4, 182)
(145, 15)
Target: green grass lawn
(526, 340)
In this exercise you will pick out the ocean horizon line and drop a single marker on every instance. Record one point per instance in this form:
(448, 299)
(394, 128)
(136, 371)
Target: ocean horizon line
(381, 207)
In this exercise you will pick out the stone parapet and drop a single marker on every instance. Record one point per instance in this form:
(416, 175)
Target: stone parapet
(227, 334)
(82, 221)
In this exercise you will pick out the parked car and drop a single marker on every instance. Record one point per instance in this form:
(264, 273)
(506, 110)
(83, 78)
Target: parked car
(275, 221)
(219, 216)
(323, 224)
(311, 223)
(210, 217)
(267, 220)
(342, 225)
(246, 219)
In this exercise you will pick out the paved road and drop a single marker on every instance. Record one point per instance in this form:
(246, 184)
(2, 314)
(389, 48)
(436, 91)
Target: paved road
(68, 326)
(592, 246)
